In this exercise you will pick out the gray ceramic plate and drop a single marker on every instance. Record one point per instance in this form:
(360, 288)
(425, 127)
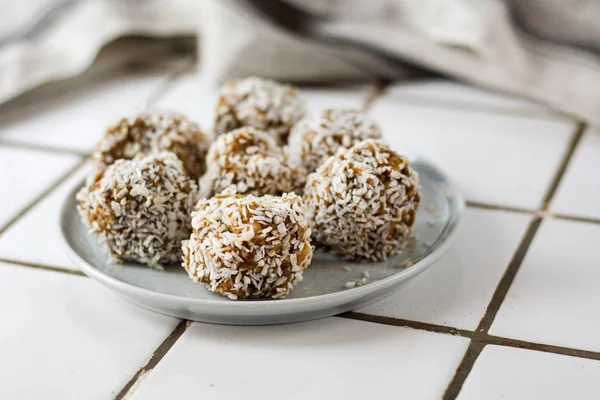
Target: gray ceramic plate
(322, 292)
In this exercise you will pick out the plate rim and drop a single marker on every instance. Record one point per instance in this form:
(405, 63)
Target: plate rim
(340, 297)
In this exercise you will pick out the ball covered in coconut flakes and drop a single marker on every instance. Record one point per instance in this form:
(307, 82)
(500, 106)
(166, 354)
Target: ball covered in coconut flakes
(250, 162)
(247, 246)
(151, 132)
(362, 202)
(260, 103)
(314, 139)
(140, 209)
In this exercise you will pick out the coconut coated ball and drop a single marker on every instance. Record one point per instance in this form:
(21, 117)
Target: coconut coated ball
(140, 209)
(151, 132)
(363, 201)
(250, 162)
(259, 103)
(314, 139)
(247, 246)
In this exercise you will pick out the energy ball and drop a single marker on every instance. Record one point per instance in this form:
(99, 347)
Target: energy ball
(313, 140)
(247, 246)
(362, 202)
(151, 132)
(141, 209)
(260, 103)
(250, 162)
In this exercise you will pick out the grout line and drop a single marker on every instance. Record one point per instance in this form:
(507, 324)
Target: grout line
(477, 336)
(545, 348)
(475, 347)
(463, 370)
(43, 195)
(40, 147)
(377, 92)
(545, 214)
(560, 172)
(498, 207)
(589, 220)
(154, 359)
(42, 266)
(481, 337)
(507, 279)
(422, 326)
(459, 105)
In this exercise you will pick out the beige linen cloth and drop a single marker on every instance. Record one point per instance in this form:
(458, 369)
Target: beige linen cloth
(546, 50)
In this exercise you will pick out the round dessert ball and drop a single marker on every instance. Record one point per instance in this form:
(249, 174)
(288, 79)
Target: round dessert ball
(140, 209)
(314, 139)
(362, 202)
(250, 162)
(247, 246)
(260, 103)
(151, 132)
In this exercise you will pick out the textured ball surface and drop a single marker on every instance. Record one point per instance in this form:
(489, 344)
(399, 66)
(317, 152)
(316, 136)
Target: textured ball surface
(140, 209)
(247, 246)
(250, 162)
(259, 103)
(314, 139)
(362, 202)
(151, 132)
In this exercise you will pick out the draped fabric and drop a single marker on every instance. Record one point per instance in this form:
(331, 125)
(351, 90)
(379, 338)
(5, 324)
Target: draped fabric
(546, 50)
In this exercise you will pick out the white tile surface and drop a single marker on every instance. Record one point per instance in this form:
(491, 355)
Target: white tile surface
(460, 93)
(42, 221)
(456, 291)
(24, 174)
(327, 359)
(507, 373)
(495, 159)
(579, 190)
(66, 337)
(76, 121)
(193, 96)
(339, 97)
(554, 298)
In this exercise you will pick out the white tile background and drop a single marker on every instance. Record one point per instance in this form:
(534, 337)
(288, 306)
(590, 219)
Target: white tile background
(495, 159)
(64, 336)
(554, 298)
(75, 121)
(457, 290)
(448, 94)
(506, 373)
(320, 359)
(24, 174)
(579, 192)
(41, 221)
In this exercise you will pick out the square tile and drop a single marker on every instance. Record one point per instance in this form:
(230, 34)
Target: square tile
(195, 97)
(554, 298)
(24, 174)
(508, 373)
(452, 92)
(192, 96)
(330, 358)
(456, 291)
(41, 221)
(496, 159)
(579, 192)
(67, 337)
(351, 96)
(76, 121)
